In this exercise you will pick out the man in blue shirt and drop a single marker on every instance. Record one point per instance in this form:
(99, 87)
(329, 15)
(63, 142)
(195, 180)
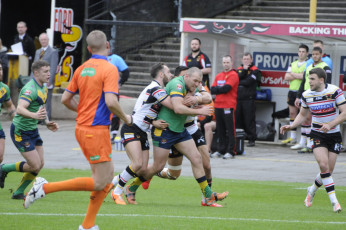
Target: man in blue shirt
(325, 57)
(119, 62)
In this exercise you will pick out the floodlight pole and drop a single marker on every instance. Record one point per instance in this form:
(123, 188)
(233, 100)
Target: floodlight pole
(313, 9)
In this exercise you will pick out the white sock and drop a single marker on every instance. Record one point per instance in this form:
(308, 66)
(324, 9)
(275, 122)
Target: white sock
(328, 183)
(317, 184)
(123, 178)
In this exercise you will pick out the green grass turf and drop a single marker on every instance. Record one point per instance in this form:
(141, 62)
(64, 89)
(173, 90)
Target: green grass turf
(176, 205)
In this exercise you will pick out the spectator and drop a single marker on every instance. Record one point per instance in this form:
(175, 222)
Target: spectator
(50, 55)
(4, 62)
(122, 67)
(199, 60)
(304, 85)
(27, 42)
(225, 88)
(249, 78)
(294, 75)
(325, 57)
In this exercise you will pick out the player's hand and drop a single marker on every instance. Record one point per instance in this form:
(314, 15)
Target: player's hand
(52, 126)
(206, 110)
(190, 101)
(40, 114)
(297, 103)
(129, 120)
(285, 128)
(325, 128)
(160, 124)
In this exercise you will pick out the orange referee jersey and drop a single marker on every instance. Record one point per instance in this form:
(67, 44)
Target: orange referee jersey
(92, 80)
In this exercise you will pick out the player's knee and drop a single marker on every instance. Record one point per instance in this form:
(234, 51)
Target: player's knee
(1, 159)
(324, 167)
(206, 166)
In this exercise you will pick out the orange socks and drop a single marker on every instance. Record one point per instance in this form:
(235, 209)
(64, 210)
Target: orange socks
(96, 199)
(76, 184)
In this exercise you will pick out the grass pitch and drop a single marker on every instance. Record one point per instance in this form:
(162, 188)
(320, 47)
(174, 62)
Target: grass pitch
(176, 205)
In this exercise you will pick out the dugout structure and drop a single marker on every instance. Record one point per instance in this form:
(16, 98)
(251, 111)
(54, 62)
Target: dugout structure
(274, 45)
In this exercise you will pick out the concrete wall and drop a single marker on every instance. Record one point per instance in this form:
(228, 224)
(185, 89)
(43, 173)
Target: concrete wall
(60, 112)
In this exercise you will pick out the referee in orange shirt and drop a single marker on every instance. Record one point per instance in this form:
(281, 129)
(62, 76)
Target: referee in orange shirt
(96, 82)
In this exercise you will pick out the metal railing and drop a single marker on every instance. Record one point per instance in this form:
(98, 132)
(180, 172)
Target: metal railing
(133, 35)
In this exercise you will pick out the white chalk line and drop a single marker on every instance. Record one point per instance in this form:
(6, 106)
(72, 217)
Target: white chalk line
(177, 217)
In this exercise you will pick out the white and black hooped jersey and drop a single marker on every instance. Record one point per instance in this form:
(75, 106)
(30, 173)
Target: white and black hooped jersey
(323, 106)
(191, 121)
(148, 105)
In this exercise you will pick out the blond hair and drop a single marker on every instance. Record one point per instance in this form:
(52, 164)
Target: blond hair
(97, 41)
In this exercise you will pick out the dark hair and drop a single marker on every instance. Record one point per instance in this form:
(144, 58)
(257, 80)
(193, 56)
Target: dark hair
(247, 54)
(179, 69)
(197, 40)
(319, 72)
(155, 69)
(317, 49)
(304, 47)
(38, 65)
(318, 41)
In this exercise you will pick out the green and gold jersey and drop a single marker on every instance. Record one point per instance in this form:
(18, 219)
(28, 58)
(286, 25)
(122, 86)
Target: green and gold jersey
(4, 95)
(36, 95)
(174, 88)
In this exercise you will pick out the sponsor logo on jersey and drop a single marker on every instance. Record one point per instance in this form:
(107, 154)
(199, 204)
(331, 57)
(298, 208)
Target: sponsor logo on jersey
(89, 72)
(27, 92)
(324, 106)
(179, 87)
(221, 82)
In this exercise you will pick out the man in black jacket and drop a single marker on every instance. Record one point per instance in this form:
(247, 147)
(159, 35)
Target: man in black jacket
(249, 79)
(27, 42)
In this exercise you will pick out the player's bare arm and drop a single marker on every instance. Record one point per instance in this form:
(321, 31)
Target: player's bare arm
(114, 106)
(11, 109)
(298, 121)
(180, 108)
(339, 119)
(68, 100)
(160, 124)
(23, 111)
(167, 103)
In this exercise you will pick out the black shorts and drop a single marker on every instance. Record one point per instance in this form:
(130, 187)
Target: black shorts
(331, 141)
(291, 98)
(199, 139)
(133, 133)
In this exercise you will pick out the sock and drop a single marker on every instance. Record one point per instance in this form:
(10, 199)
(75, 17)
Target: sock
(136, 183)
(303, 140)
(96, 200)
(26, 180)
(209, 181)
(123, 178)
(309, 142)
(206, 191)
(317, 184)
(328, 183)
(15, 167)
(76, 184)
(293, 131)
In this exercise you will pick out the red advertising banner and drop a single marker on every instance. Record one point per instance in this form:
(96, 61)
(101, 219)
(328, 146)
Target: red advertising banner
(263, 28)
(274, 79)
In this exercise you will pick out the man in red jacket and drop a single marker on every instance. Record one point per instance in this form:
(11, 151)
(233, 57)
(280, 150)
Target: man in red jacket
(225, 88)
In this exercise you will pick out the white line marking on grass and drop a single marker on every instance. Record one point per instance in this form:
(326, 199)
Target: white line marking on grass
(174, 217)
